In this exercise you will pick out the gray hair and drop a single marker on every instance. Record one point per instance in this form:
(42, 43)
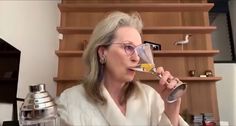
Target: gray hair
(103, 34)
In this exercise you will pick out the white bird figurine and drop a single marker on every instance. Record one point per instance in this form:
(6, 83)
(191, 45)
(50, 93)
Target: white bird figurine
(185, 41)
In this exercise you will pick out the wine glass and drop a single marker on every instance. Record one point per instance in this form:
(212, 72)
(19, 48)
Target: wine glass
(147, 65)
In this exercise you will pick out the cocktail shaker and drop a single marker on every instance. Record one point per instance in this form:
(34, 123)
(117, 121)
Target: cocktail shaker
(38, 109)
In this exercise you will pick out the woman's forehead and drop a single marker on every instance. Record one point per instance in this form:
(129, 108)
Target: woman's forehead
(129, 34)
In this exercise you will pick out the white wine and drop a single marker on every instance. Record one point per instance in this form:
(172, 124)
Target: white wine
(147, 67)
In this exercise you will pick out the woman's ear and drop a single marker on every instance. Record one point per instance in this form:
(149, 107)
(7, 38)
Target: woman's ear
(102, 52)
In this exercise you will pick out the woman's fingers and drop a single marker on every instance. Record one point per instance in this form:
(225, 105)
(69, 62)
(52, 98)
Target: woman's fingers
(172, 84)
(165, 77)
(160, 70)
(167, 81)
(166, 84)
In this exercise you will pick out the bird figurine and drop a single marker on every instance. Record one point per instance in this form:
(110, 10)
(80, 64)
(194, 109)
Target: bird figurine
(185, 41)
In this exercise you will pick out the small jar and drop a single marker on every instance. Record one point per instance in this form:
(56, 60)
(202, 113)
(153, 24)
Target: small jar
(208, 73)
(192, 73)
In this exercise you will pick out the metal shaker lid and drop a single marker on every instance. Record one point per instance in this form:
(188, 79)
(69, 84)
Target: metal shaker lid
(37, 88)
(38, 104)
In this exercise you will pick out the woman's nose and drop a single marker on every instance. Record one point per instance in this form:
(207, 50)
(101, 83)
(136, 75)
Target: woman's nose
(135, 57)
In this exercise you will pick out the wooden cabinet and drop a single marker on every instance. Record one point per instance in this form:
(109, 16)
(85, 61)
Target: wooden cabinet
(164, 23)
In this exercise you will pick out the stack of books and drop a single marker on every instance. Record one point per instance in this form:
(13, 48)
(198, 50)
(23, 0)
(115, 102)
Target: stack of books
(203, 119)
(197, 120)
(208, 118)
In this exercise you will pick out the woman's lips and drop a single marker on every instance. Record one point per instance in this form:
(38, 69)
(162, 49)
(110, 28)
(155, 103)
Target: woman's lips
(131, 72)
(131, 69)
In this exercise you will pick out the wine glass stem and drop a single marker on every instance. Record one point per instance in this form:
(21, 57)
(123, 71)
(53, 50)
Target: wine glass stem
(159, 76)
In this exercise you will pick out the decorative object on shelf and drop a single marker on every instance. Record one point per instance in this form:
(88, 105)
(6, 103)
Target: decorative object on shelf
(155, 46)
(208, 73)
(38, 108)
(183, 42)
(60, 36)
(192, 73)
(84, 44)
(202, 75)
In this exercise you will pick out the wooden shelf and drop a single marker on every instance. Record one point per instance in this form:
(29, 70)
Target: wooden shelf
(66, 79)
(147, 30)
(187, 79)
(184, 79)
(69, 53)
(143, 7)
(74, 30)
(163, 53)
(185, 53)
(200, 78)
(179, 29)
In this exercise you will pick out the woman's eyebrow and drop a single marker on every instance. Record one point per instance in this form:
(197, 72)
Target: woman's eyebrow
(129, 42)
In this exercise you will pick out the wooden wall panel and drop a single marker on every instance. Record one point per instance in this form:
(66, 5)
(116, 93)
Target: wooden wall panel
(76, 42)
(77, 71)
(84, 19)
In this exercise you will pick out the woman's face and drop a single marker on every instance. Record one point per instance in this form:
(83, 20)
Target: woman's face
(120, 56)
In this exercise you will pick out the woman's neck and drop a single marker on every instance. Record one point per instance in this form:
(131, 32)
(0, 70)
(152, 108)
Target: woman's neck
(114, 87)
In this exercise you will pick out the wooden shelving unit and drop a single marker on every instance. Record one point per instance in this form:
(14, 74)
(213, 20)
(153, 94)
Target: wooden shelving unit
(143, 7)
(147, 30)
(164, 23)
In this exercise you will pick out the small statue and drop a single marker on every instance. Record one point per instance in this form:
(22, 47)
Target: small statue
(185, 41)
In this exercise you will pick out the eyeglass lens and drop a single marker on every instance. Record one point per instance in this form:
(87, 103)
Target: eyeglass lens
(129, 49)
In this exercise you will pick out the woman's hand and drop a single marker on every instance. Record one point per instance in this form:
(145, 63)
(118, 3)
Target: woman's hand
(165, 86)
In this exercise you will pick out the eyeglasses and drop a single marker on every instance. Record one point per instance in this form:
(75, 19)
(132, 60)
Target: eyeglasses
(129, 48)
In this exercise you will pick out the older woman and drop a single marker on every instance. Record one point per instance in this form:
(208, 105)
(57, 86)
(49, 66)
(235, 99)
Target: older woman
(109, 95)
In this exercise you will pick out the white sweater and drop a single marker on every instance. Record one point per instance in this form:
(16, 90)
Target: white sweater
(144, 108)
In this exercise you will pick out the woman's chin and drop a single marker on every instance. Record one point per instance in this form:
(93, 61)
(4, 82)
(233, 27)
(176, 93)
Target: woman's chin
(130, 78)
